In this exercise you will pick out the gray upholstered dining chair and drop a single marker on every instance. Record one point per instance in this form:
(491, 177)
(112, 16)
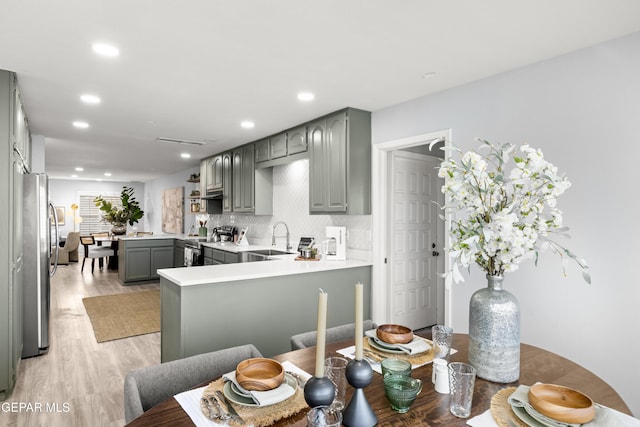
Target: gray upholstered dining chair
(146, 387)
(336, 333)
(69, 252)
(93, 251)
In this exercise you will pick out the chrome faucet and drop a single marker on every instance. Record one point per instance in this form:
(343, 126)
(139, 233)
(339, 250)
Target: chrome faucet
(273, 236)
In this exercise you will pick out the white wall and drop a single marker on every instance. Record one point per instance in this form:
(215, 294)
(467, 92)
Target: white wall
(65, 192)
(153, 198)
(583, 111)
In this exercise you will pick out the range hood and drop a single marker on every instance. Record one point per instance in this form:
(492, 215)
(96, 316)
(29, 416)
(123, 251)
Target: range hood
(212, 195)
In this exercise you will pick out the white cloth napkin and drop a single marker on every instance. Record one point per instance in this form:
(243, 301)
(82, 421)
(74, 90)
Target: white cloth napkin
(263, 398)
(190, 400)
(416, 346)
(605, 417)
(350, 352)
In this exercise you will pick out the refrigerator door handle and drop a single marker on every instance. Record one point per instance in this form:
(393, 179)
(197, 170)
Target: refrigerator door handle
(52, 270)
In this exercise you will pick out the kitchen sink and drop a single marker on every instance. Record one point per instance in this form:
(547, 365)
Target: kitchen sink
(269, 252)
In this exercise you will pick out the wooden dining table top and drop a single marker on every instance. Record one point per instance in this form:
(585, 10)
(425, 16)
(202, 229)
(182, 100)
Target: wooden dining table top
(430, 408)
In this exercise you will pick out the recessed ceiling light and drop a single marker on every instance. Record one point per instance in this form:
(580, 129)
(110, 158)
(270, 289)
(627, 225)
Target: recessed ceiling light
(105, 50)
(98, 179)
(306, 96)
(185, 155)
(79, 169)
(107, 174)
(247, 124)
(428, 74)
(74, 176)
(80, 125)
(90, 99)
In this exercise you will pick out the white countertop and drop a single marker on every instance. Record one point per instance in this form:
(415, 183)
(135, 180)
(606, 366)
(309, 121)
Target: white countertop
(280, 265)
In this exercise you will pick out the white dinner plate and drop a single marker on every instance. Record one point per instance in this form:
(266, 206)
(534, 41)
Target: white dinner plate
(526, 418)
(238, 397)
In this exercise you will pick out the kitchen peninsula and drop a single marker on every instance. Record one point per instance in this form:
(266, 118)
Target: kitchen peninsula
(213, 307)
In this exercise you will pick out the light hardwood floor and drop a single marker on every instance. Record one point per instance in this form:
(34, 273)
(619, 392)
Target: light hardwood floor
(79, 382)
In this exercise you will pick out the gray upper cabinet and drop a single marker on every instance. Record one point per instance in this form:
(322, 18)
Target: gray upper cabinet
(252, 188)
(216, 179)
(278, 146)
(297, 140)
(203, 177)
(243, 175)
(22, 135)
(227, 179)
(340, 163)
(262, 149)
(282, 148)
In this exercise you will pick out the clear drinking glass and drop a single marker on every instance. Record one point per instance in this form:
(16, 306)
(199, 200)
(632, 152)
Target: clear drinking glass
(462, 378)
(441, 336)
(324, 416)
(334, 369)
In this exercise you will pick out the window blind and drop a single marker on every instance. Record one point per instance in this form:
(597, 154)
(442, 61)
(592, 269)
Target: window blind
(91, 215)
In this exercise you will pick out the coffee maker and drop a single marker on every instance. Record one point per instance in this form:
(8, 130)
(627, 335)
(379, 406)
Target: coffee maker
(335, 245)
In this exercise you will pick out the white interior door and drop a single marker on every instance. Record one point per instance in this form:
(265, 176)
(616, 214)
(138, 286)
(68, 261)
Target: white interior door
(415, 239)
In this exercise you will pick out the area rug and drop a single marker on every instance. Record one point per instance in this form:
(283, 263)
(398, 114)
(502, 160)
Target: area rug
(124, 315)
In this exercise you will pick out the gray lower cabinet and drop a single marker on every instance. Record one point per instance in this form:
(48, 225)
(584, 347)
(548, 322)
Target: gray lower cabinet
(214, 256)
(178, 254)
(139, 260)
(340, 163)
(196, 319)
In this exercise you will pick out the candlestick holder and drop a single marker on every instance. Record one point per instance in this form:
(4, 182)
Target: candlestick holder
(319, 392)
(359, 413)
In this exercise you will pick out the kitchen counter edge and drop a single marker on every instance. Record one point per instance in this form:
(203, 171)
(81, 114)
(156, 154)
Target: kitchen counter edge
(282, 265)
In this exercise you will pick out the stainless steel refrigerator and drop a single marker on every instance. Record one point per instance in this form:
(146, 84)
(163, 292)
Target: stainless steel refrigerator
(40, 244)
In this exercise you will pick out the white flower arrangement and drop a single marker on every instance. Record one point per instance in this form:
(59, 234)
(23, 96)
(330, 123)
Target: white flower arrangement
(500, 218)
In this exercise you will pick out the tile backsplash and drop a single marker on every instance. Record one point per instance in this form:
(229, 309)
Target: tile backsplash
(291, 205)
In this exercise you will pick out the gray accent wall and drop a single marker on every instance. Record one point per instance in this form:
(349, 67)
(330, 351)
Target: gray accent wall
(583, 111)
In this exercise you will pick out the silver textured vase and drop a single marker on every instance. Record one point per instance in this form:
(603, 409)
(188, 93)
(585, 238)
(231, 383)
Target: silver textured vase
(494, 333)
(118, 228)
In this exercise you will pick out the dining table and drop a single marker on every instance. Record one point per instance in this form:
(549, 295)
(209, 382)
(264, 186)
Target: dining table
(430, 408)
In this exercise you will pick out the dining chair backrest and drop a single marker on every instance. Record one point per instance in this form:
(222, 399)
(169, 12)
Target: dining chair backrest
(87, 241)
(146, 387)
(69, 252)
(336, 333)
(103, 234)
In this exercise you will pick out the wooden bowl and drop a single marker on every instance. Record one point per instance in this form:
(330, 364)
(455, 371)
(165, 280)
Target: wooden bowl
(394, 334)
(562, 403)
(259, 374)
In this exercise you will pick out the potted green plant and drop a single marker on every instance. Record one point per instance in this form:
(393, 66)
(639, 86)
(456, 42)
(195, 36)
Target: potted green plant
(130, 211)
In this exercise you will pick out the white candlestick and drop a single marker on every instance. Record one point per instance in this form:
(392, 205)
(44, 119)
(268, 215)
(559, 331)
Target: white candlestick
(322, 333)
(359, 320)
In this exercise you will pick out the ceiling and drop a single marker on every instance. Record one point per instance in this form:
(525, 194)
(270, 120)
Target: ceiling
(195, 69)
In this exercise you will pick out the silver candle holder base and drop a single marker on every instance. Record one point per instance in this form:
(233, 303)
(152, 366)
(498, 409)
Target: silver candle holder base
(359, 413)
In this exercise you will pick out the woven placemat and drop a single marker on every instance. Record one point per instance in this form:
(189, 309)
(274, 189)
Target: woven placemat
(501, 410)
(260, 416)
(417, 359)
